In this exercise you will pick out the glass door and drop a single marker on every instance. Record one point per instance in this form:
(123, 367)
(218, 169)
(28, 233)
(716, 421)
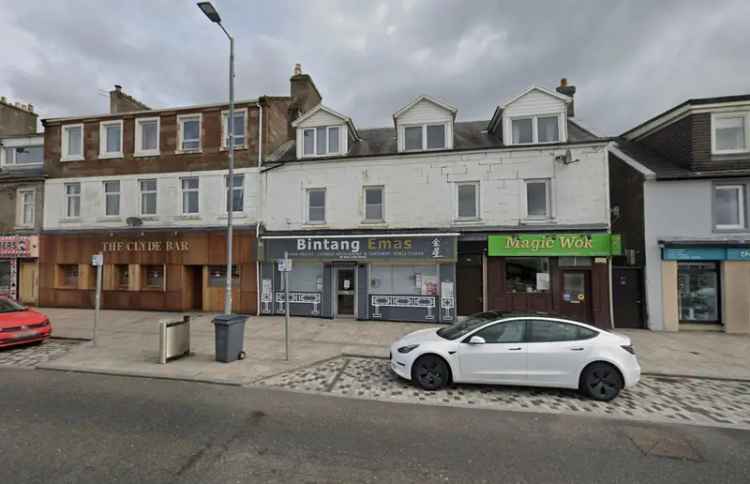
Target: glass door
(575, 296)
(698, 287)
(345, 292)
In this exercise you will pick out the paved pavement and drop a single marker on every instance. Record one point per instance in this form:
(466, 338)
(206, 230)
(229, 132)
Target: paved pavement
(654, 399)
(30, 356)
(79, 428)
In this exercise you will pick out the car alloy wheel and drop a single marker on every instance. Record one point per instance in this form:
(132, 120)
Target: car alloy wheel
(602, 381)
(431, 372)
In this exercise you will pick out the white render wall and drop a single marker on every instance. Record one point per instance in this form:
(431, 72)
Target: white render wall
(169, 201)
(420, 190)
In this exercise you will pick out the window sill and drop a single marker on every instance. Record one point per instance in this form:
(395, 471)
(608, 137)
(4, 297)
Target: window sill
(24, 227)
(149, 218)
(727, 229)
(730, 152)
(467, 221)
(22, 166)
(236, 148)
(109, 156)
(373, 223)
(70, 220)
(315, 225)
(188, 152)
(145, 154)
(72, 158)
(324, 155)
(538, 221)
(235, 215)
(192, 216)
(109, 218)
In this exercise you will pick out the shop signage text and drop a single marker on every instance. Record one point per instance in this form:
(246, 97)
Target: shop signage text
(706, 253)
(589, 245)
(146, 246)
(19, 246)
(439, 247)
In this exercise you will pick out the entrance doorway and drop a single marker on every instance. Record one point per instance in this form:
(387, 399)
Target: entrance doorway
(345, 292)
(627, 297)
(469, 287)
(28, 283)
(575, 295)
(194, 279)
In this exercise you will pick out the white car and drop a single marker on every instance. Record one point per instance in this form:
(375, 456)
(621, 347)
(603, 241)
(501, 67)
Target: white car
(530, 350)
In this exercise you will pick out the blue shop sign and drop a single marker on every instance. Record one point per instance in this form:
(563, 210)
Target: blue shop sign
(706, 253)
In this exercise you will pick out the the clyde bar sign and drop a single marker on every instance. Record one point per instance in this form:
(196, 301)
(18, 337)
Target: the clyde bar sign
(436, 247)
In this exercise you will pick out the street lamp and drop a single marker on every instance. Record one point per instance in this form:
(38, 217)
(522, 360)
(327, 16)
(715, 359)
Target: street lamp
(208, 9)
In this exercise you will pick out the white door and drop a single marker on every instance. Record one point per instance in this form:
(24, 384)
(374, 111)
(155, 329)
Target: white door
(500, 359)
(557, 352)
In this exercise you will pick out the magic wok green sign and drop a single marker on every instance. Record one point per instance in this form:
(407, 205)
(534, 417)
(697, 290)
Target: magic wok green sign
(587, 245)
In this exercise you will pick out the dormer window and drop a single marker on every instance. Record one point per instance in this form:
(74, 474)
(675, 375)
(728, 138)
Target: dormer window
(321, 141)
(424, 137)
(536, 129)
(731, 133)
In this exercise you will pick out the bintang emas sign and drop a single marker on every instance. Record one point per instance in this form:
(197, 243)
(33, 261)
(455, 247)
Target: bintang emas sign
(590, 245)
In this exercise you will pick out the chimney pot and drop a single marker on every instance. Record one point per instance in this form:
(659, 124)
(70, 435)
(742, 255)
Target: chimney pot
(563, 82)
(297, 69)
(31, 107)
(118, 87)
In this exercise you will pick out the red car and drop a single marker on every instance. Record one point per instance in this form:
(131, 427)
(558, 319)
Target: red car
(20, 325)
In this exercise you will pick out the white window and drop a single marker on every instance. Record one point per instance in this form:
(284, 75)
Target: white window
(23, 155)
(731, 133)
(240, 128)
(26, 207)
(424, 137)
(316, 205)
(190, 194)
(321, 141)
(468, 200)
(73, 199)
(148, 196)
(189, 132)
(72, 142)
(238, 192)
(110, 139)
(538, 199)
(535, 129)
(112, 198)
(729, 207)
(147, 136)
(374, 204)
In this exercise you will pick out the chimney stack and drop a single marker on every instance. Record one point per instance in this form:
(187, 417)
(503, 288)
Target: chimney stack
(120, 102)
(305, 95)
(298, 69)
(16, 118)
(569, 91)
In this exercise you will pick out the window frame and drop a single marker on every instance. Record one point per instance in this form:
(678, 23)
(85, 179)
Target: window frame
(535, 128)
(477, 203)
(181, 119)
(6, 161)
(308, 192)
(103, 125)
(225, 129)
(226, 193)
(155, 191)
(328, 129)
(742, 204)
(746, 125)
(424, 127)
(365, 189)
(182, 195)
(138, 151)
(544, 260)
(548, 195)
(108, 194)
(21, 207)
(144, 278)
(65, 143)
(68, 196)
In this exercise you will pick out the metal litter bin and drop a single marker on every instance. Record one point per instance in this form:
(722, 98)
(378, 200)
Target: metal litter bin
(229, 330)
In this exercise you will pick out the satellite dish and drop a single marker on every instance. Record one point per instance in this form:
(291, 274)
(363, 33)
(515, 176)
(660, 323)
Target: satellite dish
(134, 221)
(567, 158)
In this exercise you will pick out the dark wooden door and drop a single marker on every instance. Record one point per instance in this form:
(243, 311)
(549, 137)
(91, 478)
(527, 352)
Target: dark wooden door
(196, 274)
(627, 297)
(469, 290)
(575, 294)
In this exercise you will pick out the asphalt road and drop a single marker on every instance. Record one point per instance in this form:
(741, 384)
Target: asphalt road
(78, 428)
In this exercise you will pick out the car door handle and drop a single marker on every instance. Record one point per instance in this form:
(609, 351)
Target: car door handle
(576, 349)
(515, 349)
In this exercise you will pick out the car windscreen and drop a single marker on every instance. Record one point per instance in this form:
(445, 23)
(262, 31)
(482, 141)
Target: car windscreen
(8, 306)
(455, 331)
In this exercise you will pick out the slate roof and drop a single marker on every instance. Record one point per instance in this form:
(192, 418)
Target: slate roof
(467, 135)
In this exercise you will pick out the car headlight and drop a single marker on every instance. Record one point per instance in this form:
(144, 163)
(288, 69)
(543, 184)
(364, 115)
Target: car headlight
(406, 349)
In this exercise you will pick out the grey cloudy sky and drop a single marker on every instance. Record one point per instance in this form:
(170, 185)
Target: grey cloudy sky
(628, 59)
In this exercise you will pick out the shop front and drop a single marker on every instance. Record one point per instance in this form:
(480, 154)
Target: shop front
(394, 277)
(18, 267)
(560, 273)
(175, 270)
(706, 286)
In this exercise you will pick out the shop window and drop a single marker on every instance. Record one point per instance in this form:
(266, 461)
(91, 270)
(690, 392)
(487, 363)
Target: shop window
(305, 277)
(153, 277)
(68, 276)
(122, 276)
(404, 280)
(4, 276)
(729, 207)
(698, 287)
(217, 276)
(527, 274)
(574, 261)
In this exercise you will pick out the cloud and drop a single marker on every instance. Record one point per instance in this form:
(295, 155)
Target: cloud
(629, 60)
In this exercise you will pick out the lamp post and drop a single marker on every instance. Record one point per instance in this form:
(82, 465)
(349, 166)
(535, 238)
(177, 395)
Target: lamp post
(214, 17)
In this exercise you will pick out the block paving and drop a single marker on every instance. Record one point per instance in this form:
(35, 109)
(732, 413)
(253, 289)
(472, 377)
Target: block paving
(655, 398)
(30, 356)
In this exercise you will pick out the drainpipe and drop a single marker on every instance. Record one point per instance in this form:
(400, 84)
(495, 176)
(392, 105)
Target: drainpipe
(257, 221)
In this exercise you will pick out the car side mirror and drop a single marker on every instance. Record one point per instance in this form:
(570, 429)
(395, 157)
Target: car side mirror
(476, 340)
